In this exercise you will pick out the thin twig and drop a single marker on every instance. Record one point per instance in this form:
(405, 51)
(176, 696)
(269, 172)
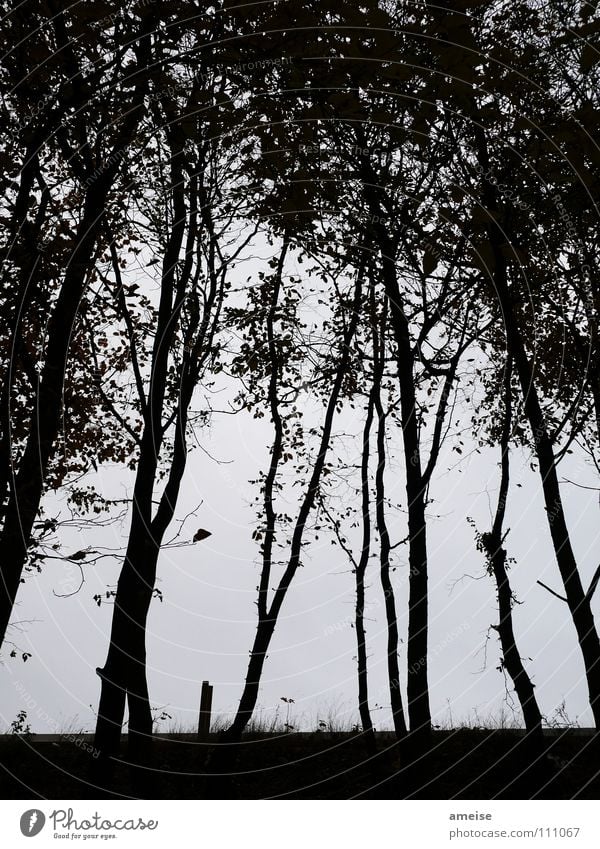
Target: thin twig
(561, 597)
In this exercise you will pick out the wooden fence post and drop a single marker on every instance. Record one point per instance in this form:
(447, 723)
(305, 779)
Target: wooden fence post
(205, 710)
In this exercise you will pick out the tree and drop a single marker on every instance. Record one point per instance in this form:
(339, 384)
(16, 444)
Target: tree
(90, 147)
(491, 544)
(385, 546)
(497, 242)
(192, 224)
(278, 306)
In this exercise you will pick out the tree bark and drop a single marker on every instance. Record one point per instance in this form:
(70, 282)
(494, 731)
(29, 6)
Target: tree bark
(385, 546)
(496, 554)
(360, 570)
(419, 712)
(124, 674)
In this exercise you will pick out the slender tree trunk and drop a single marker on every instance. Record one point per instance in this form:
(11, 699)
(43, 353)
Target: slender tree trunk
(417, 660)
(268, 616)
(386, 584)
(17, 303)
(577, 599)
(496, 554)
(385, 545)
(27, 486)
(419, 712)
(361, 567)
(264, 633)
(125, 668)
(126, 660)
(511, 658)
(266, 623)
(579, 603)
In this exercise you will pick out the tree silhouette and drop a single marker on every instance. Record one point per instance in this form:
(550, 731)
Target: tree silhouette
(90, 148)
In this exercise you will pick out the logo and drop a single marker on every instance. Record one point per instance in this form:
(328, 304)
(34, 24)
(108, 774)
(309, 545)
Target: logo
(32, 822)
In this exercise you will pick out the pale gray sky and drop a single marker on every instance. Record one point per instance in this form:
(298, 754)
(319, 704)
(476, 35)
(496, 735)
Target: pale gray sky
(204, 627)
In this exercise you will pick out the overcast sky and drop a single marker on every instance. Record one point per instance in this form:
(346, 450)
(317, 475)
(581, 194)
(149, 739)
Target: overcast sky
(205, 625)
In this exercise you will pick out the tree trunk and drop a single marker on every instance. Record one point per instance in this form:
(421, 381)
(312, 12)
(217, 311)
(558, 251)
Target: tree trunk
(578, 601)
(268, 617)
(511, 658)
(124, 674)
(360, 570)
(384, 552)
(138, 700)
(28, 486)
(249, 697)
(126, 659)
(492, 542)
(419, 713)
(579, 604)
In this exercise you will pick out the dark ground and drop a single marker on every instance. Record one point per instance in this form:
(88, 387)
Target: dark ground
(462, 764)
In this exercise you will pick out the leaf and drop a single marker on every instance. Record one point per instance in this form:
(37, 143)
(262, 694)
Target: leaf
(200, 535)
(79, 555)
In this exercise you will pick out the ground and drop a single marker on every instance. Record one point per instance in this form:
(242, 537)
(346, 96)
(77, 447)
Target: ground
(461, 764)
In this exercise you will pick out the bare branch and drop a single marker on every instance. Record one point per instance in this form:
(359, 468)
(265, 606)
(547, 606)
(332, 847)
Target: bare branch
(561, 597)
(593, 584)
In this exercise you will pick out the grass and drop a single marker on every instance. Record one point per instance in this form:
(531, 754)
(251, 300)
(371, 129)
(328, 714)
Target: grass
(285, 719)
(335, 720)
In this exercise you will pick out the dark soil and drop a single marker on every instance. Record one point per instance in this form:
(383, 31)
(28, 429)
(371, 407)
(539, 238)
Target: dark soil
(462, 764)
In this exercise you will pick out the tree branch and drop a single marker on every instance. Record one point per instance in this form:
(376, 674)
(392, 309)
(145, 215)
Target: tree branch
(561, 597)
